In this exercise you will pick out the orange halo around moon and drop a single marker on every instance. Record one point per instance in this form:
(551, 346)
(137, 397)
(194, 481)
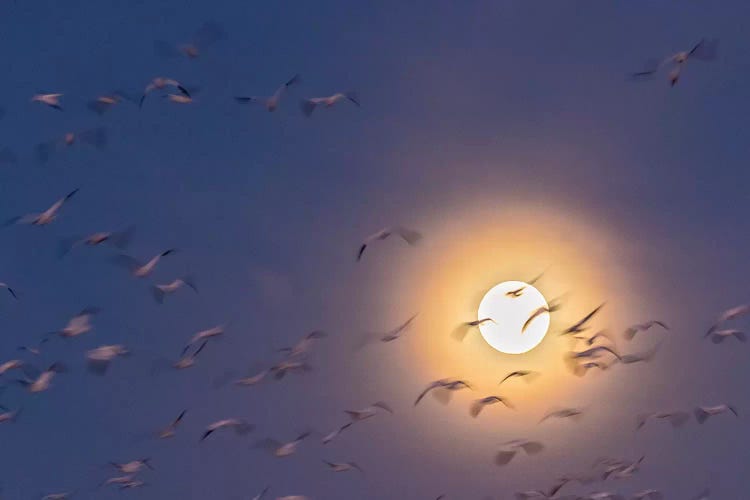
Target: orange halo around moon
(459, 262)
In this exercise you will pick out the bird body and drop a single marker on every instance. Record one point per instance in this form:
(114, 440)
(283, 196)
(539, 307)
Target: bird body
(309, 105)
(51, 100)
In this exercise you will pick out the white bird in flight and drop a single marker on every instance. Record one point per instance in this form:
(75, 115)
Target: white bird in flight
(410, 236)
(703, 413)
(369, 412)
(159, 291)
(132, 467)
(51, 100)
(43, 381)
(44, 218)
(511, 448)
(10, 290)
(719, 336)
(240, 427)
(160, 83)
(79, 324)
(705, 50)
(309, 105)
(343, 466)
(272, 102)
(279, 449)
(100, 358)
(171, 429)
(140, 269)
(335, 433)
(120, 239)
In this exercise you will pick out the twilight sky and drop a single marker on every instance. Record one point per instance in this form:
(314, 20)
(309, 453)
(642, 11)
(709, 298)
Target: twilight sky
(506, 132)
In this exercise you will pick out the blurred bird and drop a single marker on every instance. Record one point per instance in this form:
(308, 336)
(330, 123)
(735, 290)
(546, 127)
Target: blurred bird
(132, 467)
(304, 345)
(388, 336)
(335, 433)
(343, 467)
(369, 412)
(272, 102)
(279, 449)
(118, 480)
(204, 335)
(9, 416)
(728, 315)
(594, 352)
(13, 364)
(120, 239)
(526, 375)
(445, 383)
(705, 50)
(511, 448)
(479, 404)
(78, 324)
(96, 137)
(281, 368)
(309, 105)
(718, 336)
(580, 326)
(171, 429)
(187, 359)
(44, 218)
(57, 496)
(133, 483)
(240, 427)
(514, 294)
(10, 290)
(601, 334)
(631, 332)
(553, 306)
(51, 100)
(675, 418)
(702, 413)
(640, 357)
(260, 495)
(622, 470)
(253, 379)
(208, 34)
(43, 380)
(100, 358)
(572, 413)
(408, 235)
(160, 83)
(137, 268)
(648, 495)
(460, 332)
(103, 103)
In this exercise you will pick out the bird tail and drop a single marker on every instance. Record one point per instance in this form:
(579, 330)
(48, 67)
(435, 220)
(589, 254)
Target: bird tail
(701, 415)
(308, 106)
(158, 294)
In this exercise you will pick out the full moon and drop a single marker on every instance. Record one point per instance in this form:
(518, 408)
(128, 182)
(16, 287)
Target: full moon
(509, 305)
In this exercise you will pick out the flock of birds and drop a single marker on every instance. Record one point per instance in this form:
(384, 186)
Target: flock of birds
(591, 351)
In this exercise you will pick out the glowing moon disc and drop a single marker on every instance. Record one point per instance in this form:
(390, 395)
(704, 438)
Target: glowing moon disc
(510, 304)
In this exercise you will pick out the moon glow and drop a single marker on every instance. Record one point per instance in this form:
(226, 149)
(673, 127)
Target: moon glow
(509, 305)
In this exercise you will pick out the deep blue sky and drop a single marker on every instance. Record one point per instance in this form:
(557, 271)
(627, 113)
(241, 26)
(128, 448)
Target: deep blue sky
(502, 105)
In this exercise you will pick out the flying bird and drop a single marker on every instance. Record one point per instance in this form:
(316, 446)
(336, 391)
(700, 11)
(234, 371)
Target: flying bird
(272, 102)
(410, 236)
(187, 359)
(120, 239)
(43, 380)
(140, 269)
(51, 100)
(309, 105)
(100, 358)
(572, 413)
(204, 335)
(103, 103)
(160, 83)
(171, 429)
(580, 326)
(526, 375)
(463, 329)
(343, 466)
(719, 336)
(728, 315)
(281, 368)
(631, 332)
(511, 448)
(208, 34)
(369, 412)
(13, 364)
(78, 324)
(279, 449)
(335, 433)
(260, 495)
(675, 418)
(252, 379)
(9, 416)
(703, 413)
(240, 427)
(304, 345)
(10, 290)
(640, 357)
(479, 404)
(553, 306)
(649, 494)
(96, 137)
(390, 335)
(445, 383)
(132, 467)
(594, 352)
(705, 50)
(44, 218)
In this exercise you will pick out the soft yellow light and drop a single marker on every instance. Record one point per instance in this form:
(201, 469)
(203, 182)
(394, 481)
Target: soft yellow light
(510, 305)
